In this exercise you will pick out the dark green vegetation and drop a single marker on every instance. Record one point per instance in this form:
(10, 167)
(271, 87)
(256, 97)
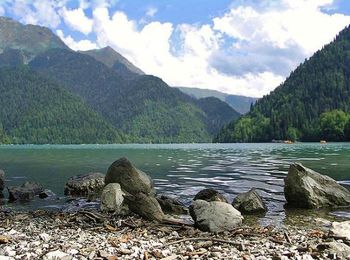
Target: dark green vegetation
(312, 104)
(241, 104)
(119, 102)
(217, 113)
(36, 110)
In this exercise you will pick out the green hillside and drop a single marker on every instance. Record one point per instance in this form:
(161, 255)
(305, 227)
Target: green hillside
(218, 113)
(37, 110)
(144, 107)
(312, 104)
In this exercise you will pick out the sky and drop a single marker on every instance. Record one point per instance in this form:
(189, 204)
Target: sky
(244, 47)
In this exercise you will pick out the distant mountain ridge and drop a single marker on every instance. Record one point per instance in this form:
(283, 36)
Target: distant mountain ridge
(241, 104)
(30, 40)
(129, 106)
(312, 104)
(114, 60)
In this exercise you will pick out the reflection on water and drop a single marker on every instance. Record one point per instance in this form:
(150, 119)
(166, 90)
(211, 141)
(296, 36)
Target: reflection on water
(182, 170)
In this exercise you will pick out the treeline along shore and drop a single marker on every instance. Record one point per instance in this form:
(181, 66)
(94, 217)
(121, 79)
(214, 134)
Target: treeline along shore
(133, 222)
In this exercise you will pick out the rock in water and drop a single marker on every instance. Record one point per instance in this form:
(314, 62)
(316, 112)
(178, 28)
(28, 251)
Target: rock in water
(171, 205)
(144, 205)
(215, 216)
(210, 195)
(25, 192)
(130, 179)
(2, 180)
(305, 188)
(85, 184)
(112, 198)
(249, 202)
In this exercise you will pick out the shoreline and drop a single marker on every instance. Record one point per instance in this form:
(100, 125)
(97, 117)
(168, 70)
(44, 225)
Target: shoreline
(90, 234)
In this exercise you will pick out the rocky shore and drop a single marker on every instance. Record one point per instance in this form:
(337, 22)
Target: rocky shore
(94, 235)
(133, 222)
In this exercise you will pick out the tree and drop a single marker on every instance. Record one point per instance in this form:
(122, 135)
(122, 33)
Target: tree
(332, 125)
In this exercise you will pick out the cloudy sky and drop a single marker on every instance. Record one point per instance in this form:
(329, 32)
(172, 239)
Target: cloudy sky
(244, 47)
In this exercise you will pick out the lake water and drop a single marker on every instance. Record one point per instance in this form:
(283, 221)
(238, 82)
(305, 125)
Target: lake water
(180, 170)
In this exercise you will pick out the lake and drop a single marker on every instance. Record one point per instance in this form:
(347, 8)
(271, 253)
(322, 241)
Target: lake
(180, 169)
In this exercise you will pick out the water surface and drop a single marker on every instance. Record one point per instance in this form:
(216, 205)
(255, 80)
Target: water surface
(180, 169)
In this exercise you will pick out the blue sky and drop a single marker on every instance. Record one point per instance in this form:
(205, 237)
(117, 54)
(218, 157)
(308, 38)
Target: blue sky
(240, 47)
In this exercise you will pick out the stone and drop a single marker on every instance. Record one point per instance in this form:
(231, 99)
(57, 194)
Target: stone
(85, 184)
(144, 205)
(336, 250)
(2, 180)
(131, 180)
(171, 206)
(340, 229)
(305, 188)
(112, 198)
(249, 202)
(57, 255)
(215, 216)
(26, 192)
(47, 194)
(210, 195)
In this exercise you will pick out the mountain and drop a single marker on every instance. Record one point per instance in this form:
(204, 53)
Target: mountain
(37, 110)
(218, 113)
(113, 59)
(30, 40)
(141, 107)
(241, 104)
(144, 107)
(312, 104)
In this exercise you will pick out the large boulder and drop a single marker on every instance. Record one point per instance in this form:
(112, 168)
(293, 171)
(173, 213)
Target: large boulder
(171, 206)
(215, 216)
(85, 184)
(305, 188)
(130, 179)
(112, 198)
(145, 205)
(2, 180)
(340, 230)
(249, 202)
(27, 191)
(210, 195)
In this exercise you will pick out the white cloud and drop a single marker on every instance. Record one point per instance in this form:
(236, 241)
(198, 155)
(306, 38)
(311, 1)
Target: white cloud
(77, 20)
(82, 45)
(37, 12)
(151, 11)
(248, 50)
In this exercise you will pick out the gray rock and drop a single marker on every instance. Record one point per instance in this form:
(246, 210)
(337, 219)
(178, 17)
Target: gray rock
(340, 229)
(171, 205)
(2, 180)
(305, 188)
(112, 198)
(57, 255)
(25, 192)
(144, 205)
(131, 180)
(47, 194)
(335, 250)
(210, 195)
(249, 202)
(85, 184)
(215, 216)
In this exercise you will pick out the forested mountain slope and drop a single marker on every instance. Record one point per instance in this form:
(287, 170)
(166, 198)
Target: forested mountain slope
(37, 110)
(312, 104)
